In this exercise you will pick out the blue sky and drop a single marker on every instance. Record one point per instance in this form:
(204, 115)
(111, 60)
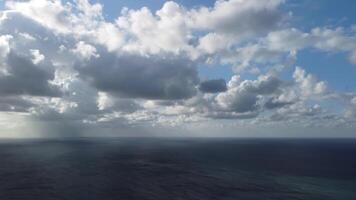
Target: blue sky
(113, 8)
(322, 13)
(332, 67)
(202, 68)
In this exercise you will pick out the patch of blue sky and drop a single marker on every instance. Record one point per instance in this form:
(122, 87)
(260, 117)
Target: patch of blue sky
(308, 14)
(331, 67)
(112, 9)
(217, 71)
(334, 68)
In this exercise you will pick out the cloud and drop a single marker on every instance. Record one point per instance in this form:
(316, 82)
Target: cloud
(320, 38)
(308, 84)
(238, 17)
(14, 104)
(287, 40)
(263, 85)
(4, 46)
(37, 56)
(106, 102)
(244, 96)
(25, 78)
(85, 51)
(137, 76)
(52, 14)
(238, 100)
(274, 102)
(213, 86)
(171, 28)
(166, 30)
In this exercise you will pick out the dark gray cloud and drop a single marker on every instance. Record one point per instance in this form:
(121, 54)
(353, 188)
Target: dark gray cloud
(213, 86)
(26, 79)
(144, 77)
(14, 104)
(273, 103)
(244, 102)
(264, 85)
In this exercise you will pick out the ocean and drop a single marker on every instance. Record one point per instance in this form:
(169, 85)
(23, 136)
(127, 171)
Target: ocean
(177, 169)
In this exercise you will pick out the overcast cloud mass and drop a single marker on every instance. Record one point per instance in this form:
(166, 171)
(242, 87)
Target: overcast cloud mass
(67, 69)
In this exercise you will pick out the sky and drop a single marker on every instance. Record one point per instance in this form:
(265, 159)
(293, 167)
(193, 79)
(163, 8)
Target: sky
(226, 68)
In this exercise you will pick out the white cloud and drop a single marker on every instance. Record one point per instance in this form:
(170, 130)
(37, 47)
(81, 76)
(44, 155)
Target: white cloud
(4, 46)
(213, 42)
(109, 35)
(85, 51)
(308, 84)
(104, 101)
(287, 40)
(37, 57)
(58, 104)
(27, 36)
(52, 14)
(166, 30)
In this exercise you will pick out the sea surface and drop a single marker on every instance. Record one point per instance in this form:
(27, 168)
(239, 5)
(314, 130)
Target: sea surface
(177, 169)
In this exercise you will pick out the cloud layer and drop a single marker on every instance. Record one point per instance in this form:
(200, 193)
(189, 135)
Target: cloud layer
(62, 64)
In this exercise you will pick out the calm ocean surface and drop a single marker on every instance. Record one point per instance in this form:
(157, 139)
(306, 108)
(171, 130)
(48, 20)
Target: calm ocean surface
(172, 169)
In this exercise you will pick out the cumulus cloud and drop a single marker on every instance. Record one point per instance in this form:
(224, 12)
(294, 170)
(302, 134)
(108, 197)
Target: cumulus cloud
(245, 95)
(308, 84)
(85, 51)
(158, 77)
(166, 30)
(238, 100)
(107, 102)
(25, 78)
(37, 56)
(104, 101)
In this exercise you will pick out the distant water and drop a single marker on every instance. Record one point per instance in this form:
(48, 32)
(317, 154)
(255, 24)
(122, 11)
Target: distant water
(178, 169)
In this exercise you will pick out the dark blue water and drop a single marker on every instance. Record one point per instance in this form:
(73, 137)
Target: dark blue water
(172, 169)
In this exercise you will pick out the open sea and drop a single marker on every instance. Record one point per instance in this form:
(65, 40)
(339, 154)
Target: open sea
(177, 169)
